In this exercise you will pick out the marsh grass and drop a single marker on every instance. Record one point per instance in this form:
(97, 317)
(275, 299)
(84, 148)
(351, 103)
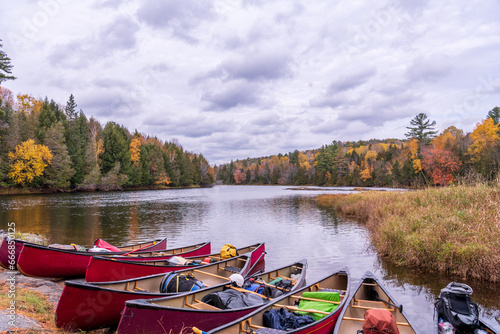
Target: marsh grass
(453, 230)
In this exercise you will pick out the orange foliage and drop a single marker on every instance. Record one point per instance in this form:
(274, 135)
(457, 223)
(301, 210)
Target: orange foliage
(484, 138)
(239, 177)
(7, 97)
(135, 150)
(28, 104)
(441, 164)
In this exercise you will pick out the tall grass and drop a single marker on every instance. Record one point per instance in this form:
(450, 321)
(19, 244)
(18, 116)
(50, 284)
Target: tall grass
(453, 230)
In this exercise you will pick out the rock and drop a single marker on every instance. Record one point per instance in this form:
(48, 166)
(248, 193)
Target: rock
(45, 286)
(12, 322)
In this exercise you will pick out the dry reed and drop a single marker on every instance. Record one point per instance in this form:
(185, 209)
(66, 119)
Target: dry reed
(453, 230)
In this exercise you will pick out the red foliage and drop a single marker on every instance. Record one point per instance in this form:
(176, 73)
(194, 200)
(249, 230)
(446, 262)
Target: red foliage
(441, 164)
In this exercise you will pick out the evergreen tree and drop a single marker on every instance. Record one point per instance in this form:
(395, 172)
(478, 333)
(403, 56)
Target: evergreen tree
(59, 172)
(494, 114)
(5, 67)
(422, 129)
(116, 148)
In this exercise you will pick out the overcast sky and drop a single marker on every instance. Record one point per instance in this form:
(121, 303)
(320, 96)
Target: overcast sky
(245, 78)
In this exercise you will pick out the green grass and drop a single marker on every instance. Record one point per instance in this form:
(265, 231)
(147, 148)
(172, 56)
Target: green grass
(453, 230)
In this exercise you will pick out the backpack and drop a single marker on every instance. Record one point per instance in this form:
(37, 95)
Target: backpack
(378, 321)
(228, 251)
(455, 306)
(177, 282)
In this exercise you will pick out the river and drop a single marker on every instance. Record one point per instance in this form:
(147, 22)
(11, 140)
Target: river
(288, 221)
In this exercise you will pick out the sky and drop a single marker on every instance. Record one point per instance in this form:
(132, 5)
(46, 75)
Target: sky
(232, 79)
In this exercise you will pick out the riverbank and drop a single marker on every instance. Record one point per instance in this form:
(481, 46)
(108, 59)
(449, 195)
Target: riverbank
(453, 230)
(35, 301)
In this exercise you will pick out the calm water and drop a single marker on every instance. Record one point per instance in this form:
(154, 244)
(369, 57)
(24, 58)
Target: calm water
(289, 222)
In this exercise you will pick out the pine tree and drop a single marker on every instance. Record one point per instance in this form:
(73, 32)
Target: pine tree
(422, 129)
(5, 67)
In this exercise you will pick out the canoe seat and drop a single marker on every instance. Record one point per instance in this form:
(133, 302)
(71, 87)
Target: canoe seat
(266, 330)
(203, 306)
(232, 269)
(369, 304)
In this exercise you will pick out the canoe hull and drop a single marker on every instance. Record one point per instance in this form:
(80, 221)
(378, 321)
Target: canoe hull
(87, 309)
(105, 269)
(87, 306)
(9, 252)
(137, 320)
(43, 261)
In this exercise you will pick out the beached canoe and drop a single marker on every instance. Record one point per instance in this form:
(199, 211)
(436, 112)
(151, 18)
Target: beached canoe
(324, 299)
(370, 294)
(179, 313)
(45, 261)
(86, 306)
(454, 301)
(106, 269)
(6, 258)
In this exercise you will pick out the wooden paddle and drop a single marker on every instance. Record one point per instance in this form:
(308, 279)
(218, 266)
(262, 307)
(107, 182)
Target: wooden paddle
(135, 250)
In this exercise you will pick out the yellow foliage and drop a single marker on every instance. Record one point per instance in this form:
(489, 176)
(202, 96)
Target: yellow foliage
(28, 104)
(444, 141)
(361, 150)
(484, 137)
(414, 148)
(417, 165)
(135, 151)
(163, 179)
(366, 173)
(28, 161)
(371, 155)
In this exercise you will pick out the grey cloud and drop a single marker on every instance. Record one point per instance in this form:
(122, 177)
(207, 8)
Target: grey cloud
(237, 94)
(194, 126)
(118, 35)
(351, 81)
(181, 17)
(430, 68)
(262, 67)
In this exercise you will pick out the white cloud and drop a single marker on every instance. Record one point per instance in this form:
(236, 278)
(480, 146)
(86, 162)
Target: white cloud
(237, 78)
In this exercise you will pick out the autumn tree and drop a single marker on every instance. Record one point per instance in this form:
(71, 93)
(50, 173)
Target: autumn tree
(422, 128)
(28, 162)
(483, 150)
(441, 164)
(5, 67)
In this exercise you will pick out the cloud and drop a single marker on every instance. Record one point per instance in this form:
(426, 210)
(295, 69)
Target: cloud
(251, 67)
(234, 94)
(179, 17)
(350, 81)
(430, 68)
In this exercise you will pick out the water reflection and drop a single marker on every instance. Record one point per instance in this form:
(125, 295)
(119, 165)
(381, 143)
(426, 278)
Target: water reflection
(289, 222)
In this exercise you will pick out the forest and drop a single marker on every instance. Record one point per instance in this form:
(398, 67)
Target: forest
(45, 145)
(423, 158)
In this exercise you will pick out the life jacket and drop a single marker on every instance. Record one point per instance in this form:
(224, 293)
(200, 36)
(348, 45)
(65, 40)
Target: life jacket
(378, 321)
(228, 251)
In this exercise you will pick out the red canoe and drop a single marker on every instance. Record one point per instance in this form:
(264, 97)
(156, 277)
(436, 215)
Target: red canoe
(6, 259)
(87, 306)
(105, 269)
(325, 308)
(44, 261)
(178, 314)
(9, 252)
